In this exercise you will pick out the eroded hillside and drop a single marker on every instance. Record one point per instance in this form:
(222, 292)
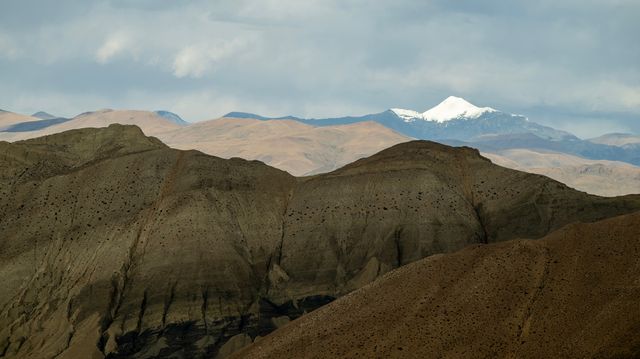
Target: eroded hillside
(115, 245)
(572, 294)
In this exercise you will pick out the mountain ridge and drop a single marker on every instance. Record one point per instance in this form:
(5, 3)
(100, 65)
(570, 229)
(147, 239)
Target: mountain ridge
(453, 118)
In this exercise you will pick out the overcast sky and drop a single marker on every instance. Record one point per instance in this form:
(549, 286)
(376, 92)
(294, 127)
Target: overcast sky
(573, 64)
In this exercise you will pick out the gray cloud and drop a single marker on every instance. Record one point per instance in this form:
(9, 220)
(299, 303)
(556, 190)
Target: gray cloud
(573, 64)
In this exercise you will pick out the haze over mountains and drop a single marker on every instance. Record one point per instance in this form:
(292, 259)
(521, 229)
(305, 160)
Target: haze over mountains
(141, 250)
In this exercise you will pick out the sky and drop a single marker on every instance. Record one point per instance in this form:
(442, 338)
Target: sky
(571, 64)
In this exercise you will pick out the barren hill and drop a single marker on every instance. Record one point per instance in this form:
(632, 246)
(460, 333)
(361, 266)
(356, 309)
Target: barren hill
(114, 245)
(292, 146)
(150, 122)
(572, 294)
(10, 118)
(604, 178)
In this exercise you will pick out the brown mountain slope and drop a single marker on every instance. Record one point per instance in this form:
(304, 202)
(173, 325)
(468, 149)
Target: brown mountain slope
(573, 294)
(289, 145)
(302, 149)
(603, 178)
(150, 123)
(115, 245)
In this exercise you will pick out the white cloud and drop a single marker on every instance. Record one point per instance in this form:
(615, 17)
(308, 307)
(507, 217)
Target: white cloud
(114, 45)
(196, 60)
(191, 61)
(320, 57)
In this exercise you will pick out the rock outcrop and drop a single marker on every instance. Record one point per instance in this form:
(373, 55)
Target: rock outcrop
(114, 245)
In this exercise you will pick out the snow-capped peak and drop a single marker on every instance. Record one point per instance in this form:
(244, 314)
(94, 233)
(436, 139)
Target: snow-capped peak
(454, 107)
(451, 108)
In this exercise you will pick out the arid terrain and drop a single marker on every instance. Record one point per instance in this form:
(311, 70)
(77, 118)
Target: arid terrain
(150, 122)
(604, 178)
(140, 250)
(303, 149)
(292, 146)
(291, 179)
(572, 294)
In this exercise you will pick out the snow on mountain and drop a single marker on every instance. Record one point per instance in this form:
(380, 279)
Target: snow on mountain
(407, 115)
(454, 107)
(451, 108)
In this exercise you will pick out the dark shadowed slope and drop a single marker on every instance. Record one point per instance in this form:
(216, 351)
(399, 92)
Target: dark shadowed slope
(115, 245)
(573, 294)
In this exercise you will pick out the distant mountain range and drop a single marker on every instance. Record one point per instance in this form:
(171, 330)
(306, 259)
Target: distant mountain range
(20, 127)
(454, 118)
(311, 146)
(455, 121)
(40, 121)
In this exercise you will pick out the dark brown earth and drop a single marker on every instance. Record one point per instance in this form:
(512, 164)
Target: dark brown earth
(573, 294)
(112, 244)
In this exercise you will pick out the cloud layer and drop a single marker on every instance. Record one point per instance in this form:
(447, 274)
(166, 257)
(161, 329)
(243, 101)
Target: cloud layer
(573, 64)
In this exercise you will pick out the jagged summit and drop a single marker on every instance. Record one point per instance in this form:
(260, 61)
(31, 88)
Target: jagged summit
(451, 108)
